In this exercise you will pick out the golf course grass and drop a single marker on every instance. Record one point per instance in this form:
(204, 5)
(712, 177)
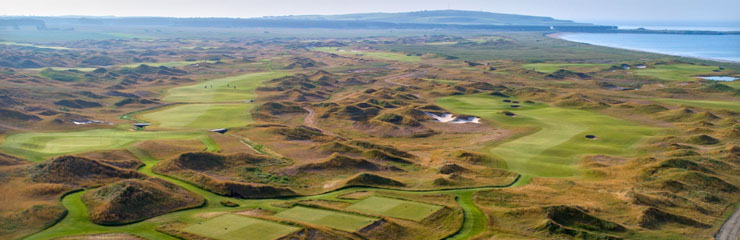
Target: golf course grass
(333, 219)
(38, 146)
(554, 149)
(577, 67)
(200, 116)
(475, 220)
(676, 72)
(221, 89)
(231, 226)
(396, 208)
(710, 104)
(77, 222)
(390, 56)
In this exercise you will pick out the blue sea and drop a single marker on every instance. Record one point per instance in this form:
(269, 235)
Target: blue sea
(715, 47)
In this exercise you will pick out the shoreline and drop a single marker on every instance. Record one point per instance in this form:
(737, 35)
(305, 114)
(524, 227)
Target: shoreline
(559, 35)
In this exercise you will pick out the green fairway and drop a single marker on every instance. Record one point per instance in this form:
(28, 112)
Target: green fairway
(396, 208)
(554, 149)
(38, 146)
(333, 219)
(231, 226)
(391, 56)
(676, 72)
(578, 67)
(166, 64)
(200, 116)
(711, 104)
(218, 91)
(475, 219)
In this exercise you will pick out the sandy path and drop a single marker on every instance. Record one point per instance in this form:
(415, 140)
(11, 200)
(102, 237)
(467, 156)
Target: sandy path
(731, 228)
(309, 122)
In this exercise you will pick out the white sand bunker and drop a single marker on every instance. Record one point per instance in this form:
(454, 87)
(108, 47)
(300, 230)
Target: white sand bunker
(449, 118)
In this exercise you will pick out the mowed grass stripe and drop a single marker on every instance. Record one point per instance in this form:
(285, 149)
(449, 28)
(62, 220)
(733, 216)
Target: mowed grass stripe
(578, 67)
(222, 89)
(333, 219)
(37, 146)
(391, 56)
(200, 116)
(554, 149)
(229, 226)
(676, 72)
(396, 208)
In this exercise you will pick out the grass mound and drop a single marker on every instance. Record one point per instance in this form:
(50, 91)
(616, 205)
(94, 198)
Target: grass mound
(577, 218)
(382, 156)
(471, 157)
(653, 218)
(278, 108)
(580, 101)
(451, 168)
(71, 169)
(77, 103)
(338, 162)
(563, 74)
(338, 147)
(208, 170)
(384, 148)
(299, 133)
(133, 200)
(702, 139)
(367, 179)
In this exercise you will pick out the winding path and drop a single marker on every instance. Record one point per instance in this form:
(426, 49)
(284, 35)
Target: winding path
(730, 230)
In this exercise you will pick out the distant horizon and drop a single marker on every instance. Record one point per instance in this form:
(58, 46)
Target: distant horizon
(735, 24)
(710, 11)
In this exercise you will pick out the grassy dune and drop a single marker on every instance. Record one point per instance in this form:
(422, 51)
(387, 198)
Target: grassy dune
(390, 56)
(218, 91)
(554, 149)
(200, 116)
(166, 64)
(578, 67)
(38, 146)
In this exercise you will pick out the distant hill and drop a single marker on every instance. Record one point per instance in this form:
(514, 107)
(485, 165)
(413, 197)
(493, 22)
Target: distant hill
(441, 17)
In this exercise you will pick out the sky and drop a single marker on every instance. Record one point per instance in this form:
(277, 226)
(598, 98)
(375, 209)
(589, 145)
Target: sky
(595, 11)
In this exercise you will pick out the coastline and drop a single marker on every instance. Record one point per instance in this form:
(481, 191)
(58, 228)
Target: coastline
(560, 35)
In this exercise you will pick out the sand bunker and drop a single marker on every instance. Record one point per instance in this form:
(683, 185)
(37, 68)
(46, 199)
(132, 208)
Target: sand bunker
(449, 118)
(90, 122)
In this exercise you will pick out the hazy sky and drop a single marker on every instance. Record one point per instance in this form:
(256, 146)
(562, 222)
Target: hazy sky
(583, 10)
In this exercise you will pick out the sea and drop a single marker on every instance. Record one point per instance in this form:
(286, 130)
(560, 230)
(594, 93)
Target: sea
(714, 47)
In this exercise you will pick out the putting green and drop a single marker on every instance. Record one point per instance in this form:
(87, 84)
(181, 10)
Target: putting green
(200, 116)
(676, 72)
(231, 226)
(391, 56)
(396, 208)
(554, 149)
(38, 146)
(333, 219)
(222, 89)
(712, 104)
(578, 67)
